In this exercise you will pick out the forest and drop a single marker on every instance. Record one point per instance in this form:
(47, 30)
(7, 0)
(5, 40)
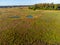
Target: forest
(45, 6)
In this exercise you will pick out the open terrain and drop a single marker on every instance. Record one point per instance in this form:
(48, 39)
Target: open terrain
(23, 26)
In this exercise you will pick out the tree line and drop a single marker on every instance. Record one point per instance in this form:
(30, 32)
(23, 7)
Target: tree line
(45, 6)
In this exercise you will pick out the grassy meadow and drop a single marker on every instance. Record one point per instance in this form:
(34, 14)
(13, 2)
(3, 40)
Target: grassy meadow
(17, 29)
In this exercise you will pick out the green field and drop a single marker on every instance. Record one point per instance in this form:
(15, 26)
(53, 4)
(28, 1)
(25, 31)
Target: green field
(17, 29)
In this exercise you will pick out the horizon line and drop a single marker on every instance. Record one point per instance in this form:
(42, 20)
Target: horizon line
(28, 4)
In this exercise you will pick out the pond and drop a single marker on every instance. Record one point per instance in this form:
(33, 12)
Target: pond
(14, 17)
(29, 16)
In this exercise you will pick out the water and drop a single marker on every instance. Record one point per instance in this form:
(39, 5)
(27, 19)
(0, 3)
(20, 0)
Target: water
(14, 17)
(29, 16)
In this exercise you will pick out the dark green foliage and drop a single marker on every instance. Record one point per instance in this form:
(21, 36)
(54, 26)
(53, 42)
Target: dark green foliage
(46, 6)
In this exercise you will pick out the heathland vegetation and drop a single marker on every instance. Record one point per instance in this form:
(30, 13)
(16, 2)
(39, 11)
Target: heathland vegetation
(23, 26)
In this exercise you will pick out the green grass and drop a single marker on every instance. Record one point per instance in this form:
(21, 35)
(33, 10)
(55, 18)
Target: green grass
(44, 29)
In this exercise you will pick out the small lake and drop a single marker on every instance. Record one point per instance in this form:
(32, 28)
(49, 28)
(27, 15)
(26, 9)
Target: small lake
(29, 16)
(14, 17)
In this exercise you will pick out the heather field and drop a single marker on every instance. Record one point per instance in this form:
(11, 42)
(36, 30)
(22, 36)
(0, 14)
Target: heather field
(23, 26)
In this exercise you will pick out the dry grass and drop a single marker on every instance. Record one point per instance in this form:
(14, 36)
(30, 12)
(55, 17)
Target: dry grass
(42, 29)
